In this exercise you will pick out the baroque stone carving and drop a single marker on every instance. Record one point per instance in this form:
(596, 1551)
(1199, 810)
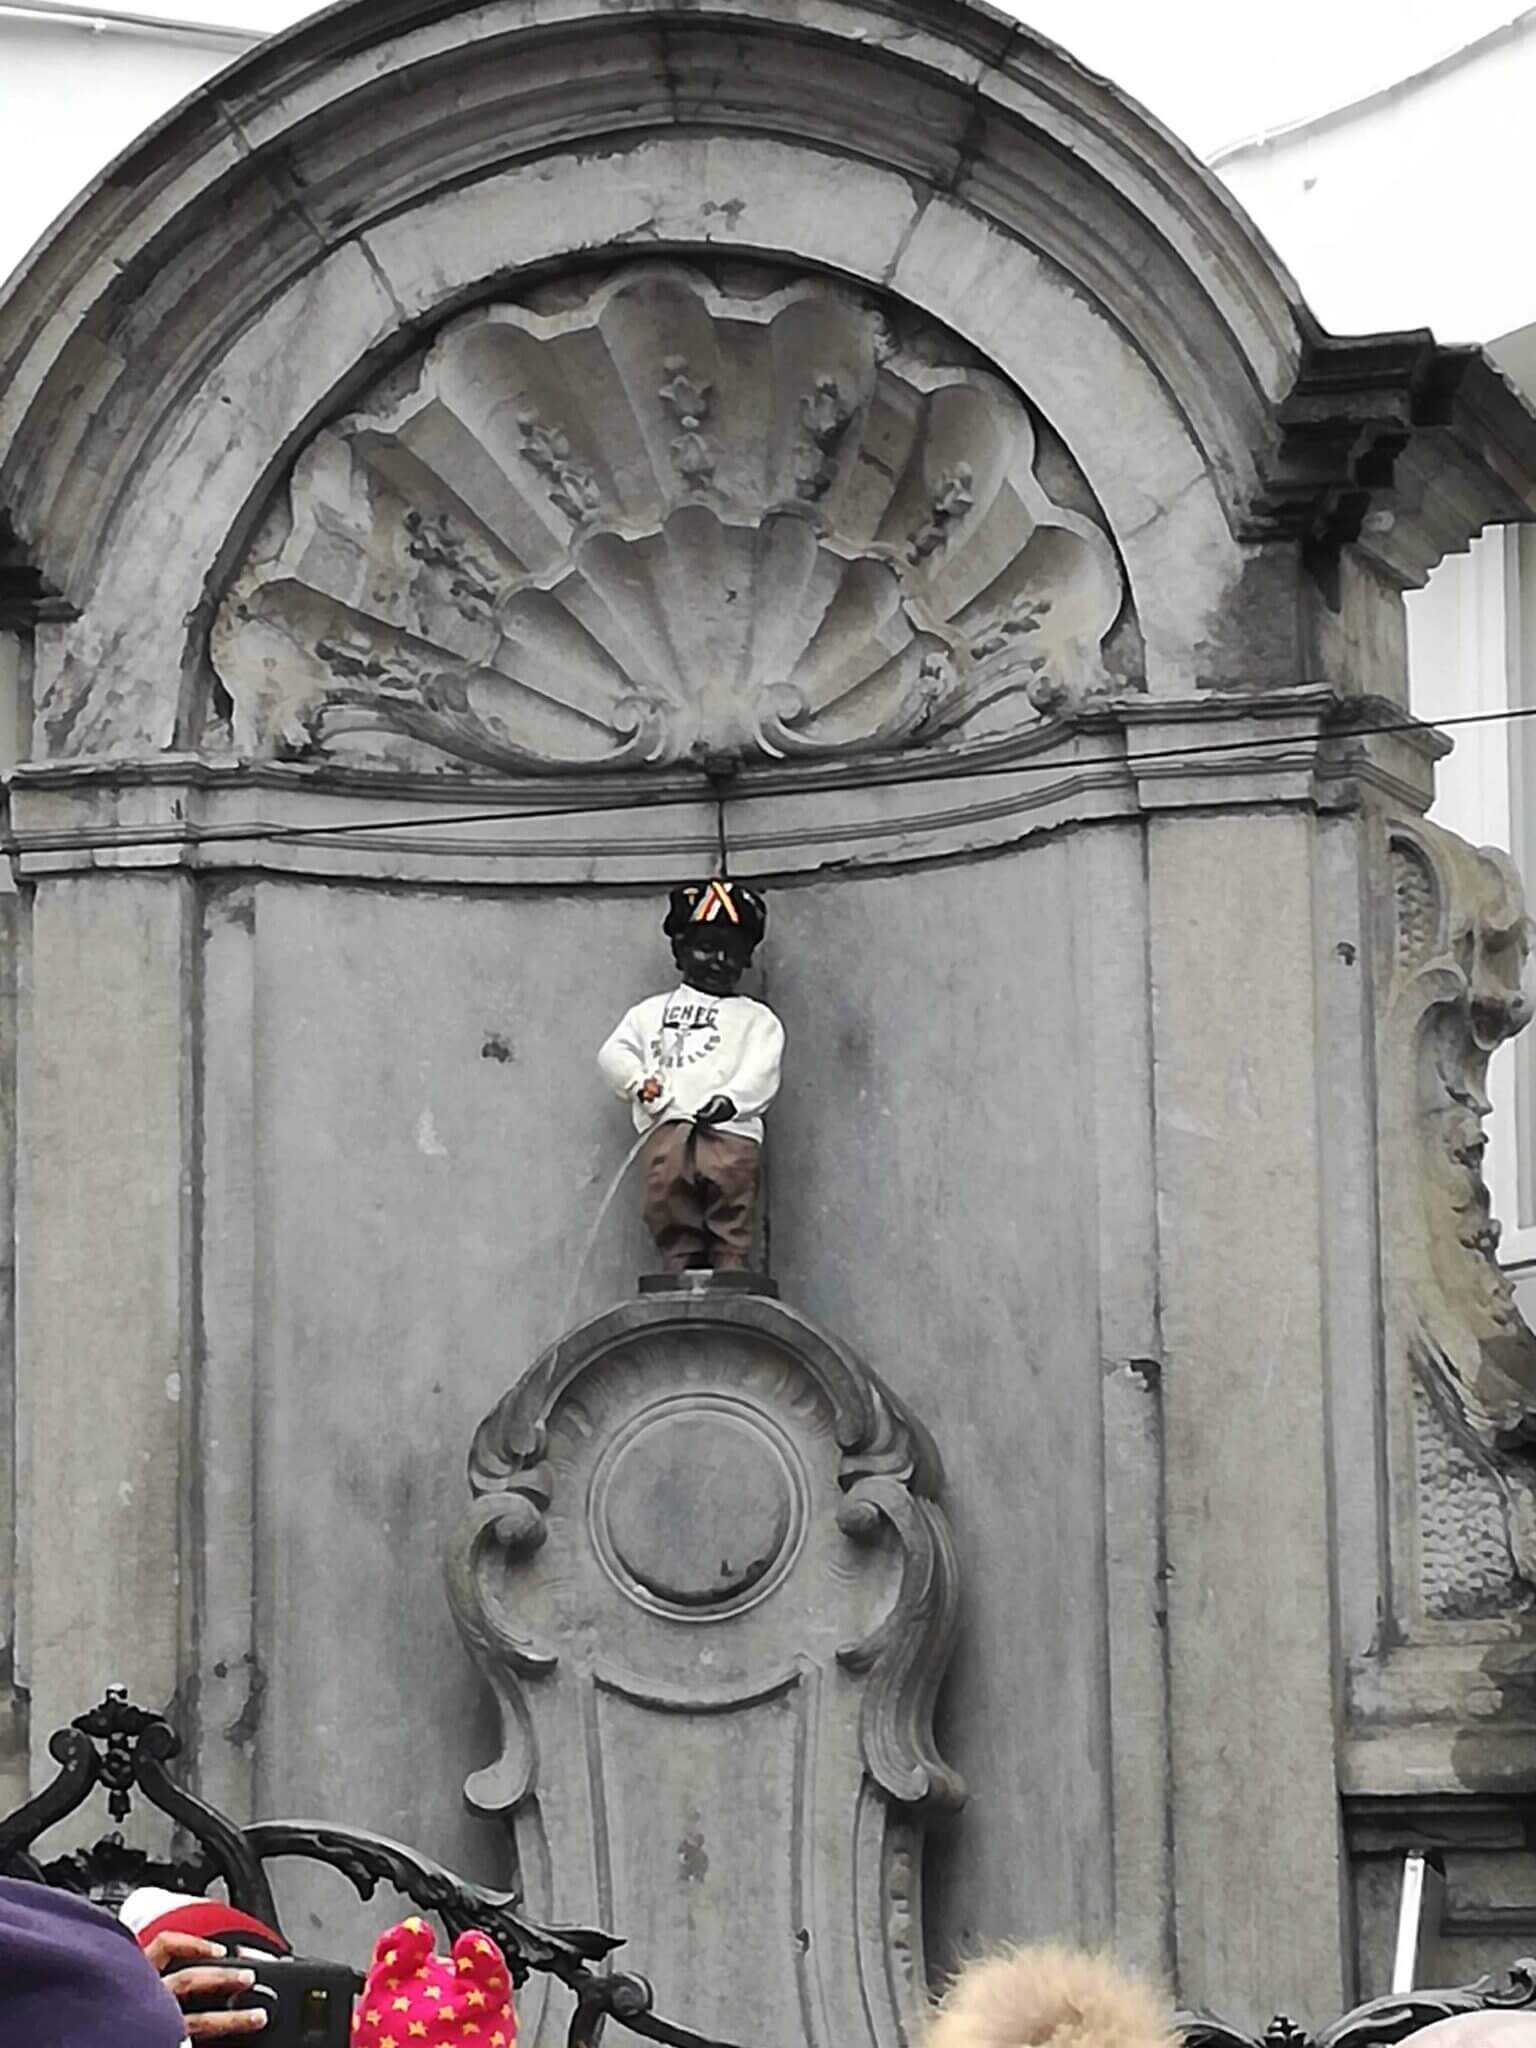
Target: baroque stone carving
(654, 515)
(707, 1576)
(1466, 1568)
(1461, 943)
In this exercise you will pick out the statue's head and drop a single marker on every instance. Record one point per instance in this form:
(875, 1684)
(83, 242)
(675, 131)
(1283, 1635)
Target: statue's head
(715, 928)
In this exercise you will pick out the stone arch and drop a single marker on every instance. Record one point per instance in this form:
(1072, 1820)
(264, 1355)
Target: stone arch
(220, 290)
(225, 287)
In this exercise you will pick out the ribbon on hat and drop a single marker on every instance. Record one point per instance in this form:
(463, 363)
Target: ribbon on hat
(717, 896)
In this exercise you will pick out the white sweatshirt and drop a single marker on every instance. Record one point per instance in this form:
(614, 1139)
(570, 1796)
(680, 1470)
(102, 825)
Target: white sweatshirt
(697, 1046)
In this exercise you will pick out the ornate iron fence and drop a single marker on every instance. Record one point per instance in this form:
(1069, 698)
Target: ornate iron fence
(123, 1750)
(1380, 2021)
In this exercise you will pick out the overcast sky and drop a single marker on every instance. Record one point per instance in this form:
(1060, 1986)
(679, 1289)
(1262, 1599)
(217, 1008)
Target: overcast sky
(1215, 71)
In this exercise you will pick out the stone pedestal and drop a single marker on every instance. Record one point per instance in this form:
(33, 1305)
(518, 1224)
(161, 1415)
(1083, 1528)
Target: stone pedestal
(702, 1282)
(709, 1580)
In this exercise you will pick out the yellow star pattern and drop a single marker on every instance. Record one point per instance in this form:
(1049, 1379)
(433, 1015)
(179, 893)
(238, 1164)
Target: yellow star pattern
(464, 2003)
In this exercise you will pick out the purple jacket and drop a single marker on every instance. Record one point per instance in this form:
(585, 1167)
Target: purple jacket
(70, 1977)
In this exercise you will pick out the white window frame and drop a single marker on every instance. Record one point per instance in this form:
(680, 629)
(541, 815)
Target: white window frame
(1471, 651)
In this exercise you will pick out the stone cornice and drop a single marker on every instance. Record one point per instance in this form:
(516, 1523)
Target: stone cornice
(26, 598)
(1399, 446)
(1311, 750)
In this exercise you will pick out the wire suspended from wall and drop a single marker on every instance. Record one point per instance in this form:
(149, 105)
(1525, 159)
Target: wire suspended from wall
(720, 786)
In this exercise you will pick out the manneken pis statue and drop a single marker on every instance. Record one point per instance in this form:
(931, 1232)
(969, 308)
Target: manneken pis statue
(699, 1067)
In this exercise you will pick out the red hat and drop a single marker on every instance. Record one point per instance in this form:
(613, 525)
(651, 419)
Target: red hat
(415, 1998)
(147, 1912)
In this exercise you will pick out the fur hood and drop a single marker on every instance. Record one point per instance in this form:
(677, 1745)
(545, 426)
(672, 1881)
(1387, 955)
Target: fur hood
(1050, 1997)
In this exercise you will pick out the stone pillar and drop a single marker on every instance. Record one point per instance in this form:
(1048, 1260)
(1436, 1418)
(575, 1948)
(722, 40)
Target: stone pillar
(1109, 907)
(104, 1289)
(13, 1771)
(1250, 1595)
(15, 685)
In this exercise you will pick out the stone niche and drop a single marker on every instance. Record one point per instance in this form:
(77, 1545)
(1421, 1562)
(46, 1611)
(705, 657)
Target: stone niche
(667, 513)
(463, 445)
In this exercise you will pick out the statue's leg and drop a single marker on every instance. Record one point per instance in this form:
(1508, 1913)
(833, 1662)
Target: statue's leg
(673, 1208)
(728, 1173)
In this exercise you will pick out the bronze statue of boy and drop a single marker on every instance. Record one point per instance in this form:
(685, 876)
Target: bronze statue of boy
(699, 1067)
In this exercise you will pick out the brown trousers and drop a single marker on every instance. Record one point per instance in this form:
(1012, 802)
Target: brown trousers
(701, 1197)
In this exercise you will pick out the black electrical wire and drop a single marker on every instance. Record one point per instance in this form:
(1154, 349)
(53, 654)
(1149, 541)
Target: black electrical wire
(193, 834)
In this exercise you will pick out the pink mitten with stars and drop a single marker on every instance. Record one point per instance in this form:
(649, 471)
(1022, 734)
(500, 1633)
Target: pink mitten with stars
(415, 1998)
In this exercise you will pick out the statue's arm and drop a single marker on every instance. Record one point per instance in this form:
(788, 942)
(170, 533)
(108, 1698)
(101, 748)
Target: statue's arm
(756, 1080)
(622, 1060)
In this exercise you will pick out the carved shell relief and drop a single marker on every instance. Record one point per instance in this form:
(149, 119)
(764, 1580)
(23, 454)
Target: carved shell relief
(654, 515)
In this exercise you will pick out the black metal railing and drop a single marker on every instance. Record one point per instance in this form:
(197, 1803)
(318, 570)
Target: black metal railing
(123, 1750)
(1380, 2021)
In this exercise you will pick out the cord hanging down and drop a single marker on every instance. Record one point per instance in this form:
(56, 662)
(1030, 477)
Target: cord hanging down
(179, 835)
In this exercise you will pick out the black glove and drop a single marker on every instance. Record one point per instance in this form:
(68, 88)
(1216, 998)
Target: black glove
(718, 1110)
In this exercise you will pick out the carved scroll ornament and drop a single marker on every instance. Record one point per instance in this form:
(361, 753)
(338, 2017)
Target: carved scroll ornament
(648, 516)
(1461, 947)
(709, 1582)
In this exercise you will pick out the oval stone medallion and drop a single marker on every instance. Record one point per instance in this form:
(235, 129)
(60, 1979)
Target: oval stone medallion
(697, 1504)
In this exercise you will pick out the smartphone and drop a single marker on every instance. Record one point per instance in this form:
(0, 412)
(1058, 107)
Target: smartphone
(308, 2004)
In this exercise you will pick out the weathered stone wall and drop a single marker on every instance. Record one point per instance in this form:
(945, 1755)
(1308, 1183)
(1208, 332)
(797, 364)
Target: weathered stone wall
(405, 1148)
(390, 1154)
(462, 447)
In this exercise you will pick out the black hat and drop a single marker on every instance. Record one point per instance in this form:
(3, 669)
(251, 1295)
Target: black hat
(721, 906)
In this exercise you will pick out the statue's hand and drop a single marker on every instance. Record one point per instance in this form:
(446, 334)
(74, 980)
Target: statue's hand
(649, 1090)
(718, 1110)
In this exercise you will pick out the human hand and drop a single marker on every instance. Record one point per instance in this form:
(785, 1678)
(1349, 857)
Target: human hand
(649, 1090)
(172, 1952)
(718, 1110)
